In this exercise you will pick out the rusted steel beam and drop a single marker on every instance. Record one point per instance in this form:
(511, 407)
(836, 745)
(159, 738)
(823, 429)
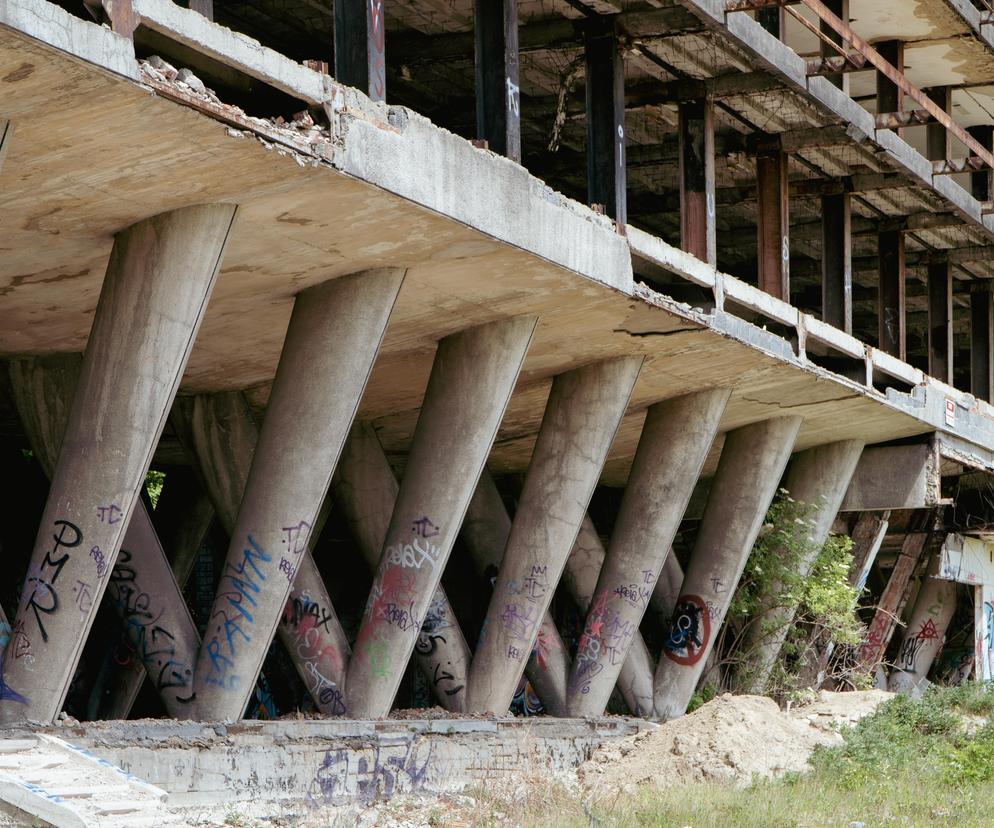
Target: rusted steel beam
(897, 77)
(838, 78)
(896, 120)
(831, 65)
(980, 182)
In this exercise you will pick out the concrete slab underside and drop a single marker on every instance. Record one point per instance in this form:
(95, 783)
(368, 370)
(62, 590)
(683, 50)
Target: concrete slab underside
(93, 152)
(273, 767)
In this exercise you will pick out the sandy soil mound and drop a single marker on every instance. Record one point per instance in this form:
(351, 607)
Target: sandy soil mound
(729, 740)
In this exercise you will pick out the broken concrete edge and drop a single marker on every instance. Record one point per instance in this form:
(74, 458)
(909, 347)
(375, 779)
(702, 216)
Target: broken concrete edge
(150, 732)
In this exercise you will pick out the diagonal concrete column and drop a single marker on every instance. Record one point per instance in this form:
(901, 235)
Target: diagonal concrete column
(818, 478)
(485, 531)
(334, 335)
(365, 489)
(222, 434)
(925, 633)
(749, 470)
(582, 415)
(470, 384)
(675, 441)
(157, 626)
(159, 277)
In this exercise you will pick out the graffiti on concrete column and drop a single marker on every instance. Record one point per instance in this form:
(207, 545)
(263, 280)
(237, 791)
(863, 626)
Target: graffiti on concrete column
(43, 598)
(913, 644)
(606, 638)
(295, 537)
(7, 693)
(305, 619)
(236, 613)
(690, 631)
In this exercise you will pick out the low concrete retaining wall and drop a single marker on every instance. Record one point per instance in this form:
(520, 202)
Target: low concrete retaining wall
(312, 763)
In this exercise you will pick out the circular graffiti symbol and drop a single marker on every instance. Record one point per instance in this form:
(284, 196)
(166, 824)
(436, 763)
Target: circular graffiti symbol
(690, 630)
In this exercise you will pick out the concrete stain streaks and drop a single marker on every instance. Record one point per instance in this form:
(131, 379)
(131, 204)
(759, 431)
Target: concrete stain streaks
(40, 279)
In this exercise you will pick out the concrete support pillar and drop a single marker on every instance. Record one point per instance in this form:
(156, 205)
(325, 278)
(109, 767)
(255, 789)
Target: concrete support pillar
(605, 71)
(881, 628)
(752, 460)
(222, 434)
(582, 415)
(981, 341)
(485, 531)
(675, 441)
(158, 280)
(365, 489)
(773, 221)
(817, 479)
(471, 382)
(334, 334)
(697, 202)
(925, 633)
(498, 95)
(158, 628)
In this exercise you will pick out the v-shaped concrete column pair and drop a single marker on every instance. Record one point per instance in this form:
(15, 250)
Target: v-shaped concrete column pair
(158, 280)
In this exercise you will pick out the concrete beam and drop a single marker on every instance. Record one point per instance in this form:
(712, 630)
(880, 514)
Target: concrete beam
(471, 381)
(158, 281)
(582, 415)
(895, 477)
(749, 469)
(675, 441)
(365, 489)
(334, 335)
(817, 479)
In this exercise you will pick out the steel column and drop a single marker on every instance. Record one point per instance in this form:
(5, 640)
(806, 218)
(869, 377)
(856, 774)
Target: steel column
(981, 341)
(582, 415)
(940, 321)
(773, 222)
(836, 261)
(697, 205)
(606, 181)
(360, 46)
(471, 382)
(498, 95)
(891, 294)
(890, 96)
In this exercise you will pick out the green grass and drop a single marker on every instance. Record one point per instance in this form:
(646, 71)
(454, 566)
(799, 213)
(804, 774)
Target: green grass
(913, 763)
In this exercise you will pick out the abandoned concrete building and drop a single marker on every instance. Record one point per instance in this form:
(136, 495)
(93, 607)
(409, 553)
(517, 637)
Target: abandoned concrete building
(375, 355)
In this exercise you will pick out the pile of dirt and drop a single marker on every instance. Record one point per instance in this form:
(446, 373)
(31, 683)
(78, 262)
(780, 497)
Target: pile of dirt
(730, 740)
